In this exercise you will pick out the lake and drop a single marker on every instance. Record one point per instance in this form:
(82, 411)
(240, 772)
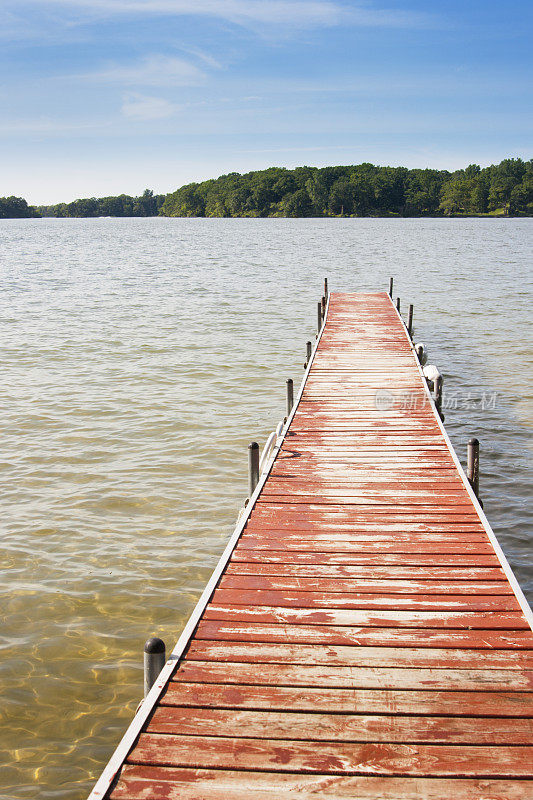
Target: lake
(140, 357)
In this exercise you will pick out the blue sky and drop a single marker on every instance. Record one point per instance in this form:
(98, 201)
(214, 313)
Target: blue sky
(100, 97)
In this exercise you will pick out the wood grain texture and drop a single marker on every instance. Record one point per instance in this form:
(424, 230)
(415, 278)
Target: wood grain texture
(141, 782)
(374, 758)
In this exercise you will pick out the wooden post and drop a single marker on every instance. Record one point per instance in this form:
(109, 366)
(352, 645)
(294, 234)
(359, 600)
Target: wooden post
(323, 306)
(154, 661)
(472, 465)
(319, 317)
(391, 285)
(421, 353)
(290, 395)
(309, 347)
(398, 304)
(325, 287)
(253, 467)
(439, 381)
(410, 320)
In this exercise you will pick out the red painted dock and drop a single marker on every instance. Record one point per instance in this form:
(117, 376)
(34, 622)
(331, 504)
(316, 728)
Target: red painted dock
(363, 636)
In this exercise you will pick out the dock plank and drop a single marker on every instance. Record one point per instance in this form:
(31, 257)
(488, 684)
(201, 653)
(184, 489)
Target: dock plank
(374, 758)
(141, 782)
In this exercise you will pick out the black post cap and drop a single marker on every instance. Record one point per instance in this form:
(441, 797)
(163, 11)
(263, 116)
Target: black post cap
(154, 645)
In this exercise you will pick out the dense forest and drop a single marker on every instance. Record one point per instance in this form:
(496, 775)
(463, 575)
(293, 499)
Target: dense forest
(16, 208)
(363, 190)
(147, 205)
(504, 189)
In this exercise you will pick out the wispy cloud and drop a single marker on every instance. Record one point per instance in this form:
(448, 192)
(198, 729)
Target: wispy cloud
(298, 13)
(143, 108)
(48, 126)
(155, 70)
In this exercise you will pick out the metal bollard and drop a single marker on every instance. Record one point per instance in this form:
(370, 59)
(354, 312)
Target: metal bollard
(391, 286)
(290, 395)
(319, 317)
(253, 467)
(410, 320)
(325, 287)
(398, 304)
(154, 661)
(472, 465)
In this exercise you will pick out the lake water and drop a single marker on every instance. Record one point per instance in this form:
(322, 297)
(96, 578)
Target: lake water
(140, 357)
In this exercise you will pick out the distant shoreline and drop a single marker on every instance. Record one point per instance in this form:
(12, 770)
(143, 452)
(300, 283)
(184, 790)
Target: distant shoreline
(278, 216)
(499, 191)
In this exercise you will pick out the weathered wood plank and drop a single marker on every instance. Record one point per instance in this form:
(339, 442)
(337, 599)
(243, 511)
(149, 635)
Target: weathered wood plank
(367, 658)
(353, 600)
(329, 570)
(378, 588)
(380, 637)
(322, 544)
(351, 677)
(342, 727)
(484, 620)
(140, 782)
(318, 557)
(374, 758)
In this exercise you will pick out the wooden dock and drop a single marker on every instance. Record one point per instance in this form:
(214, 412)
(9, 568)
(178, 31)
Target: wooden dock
(363, 635)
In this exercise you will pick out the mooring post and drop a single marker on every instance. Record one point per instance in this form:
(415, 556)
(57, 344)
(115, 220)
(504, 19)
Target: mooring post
(309, 347)
(472, 465)
(439, 381)
(410, 320)
(323, 306)
(290, 395)
(421, 353)
(154, 661)
(398, 304)
(325, 287)
(253, 467)
(319, 317)
(391, 285)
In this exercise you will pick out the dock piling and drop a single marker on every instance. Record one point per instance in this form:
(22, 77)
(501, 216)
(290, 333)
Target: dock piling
(309, 351)
(391, 286)
(290, 396)
(319, 317)
(154, 661)
(421, 353)
(326, 288)
(472, 461)
(398, 304)
(410, 321)
(253, 467)
(439, 381)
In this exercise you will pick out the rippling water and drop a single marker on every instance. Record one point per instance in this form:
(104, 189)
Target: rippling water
(139, 359)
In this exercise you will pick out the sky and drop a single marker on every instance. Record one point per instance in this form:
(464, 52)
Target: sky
(102, 97)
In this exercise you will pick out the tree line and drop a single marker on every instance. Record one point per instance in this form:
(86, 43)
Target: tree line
(362, 190)
(147, 205)
(16, 208)
(504, 189)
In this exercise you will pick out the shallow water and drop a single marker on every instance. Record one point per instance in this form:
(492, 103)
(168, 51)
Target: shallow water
(140, 357)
